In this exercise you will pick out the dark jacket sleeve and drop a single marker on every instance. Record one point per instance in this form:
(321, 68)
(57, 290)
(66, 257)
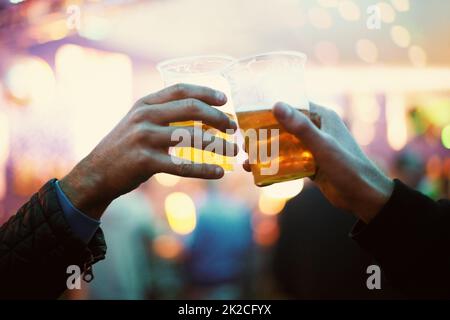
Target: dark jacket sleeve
(37, 246)
(410, 239)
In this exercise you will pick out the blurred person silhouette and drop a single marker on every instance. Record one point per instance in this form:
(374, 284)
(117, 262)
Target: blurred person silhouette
(314, 258)
(127, 271)
(59, 226)
(218, 260)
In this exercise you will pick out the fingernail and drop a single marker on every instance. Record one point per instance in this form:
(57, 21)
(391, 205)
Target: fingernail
(233, 124)
(282, 110)
(218, 171)
(221, 96)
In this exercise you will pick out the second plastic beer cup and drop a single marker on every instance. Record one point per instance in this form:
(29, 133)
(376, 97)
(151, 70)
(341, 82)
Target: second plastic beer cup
(257, 83)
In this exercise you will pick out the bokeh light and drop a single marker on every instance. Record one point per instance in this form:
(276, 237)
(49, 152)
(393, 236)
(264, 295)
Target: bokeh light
(396, 121)
(401, 36)
(270, 206)
(367, 51)
(167, 246)
(387, 12)
(180, 212)
(167, 180)
(445, 137)
(30, 80)
(266, 232)
(284, 190)
(401, 5)
(349, 10)
(418, 56)
(364, 133)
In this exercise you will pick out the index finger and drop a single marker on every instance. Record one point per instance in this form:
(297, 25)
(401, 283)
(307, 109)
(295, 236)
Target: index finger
(184, 91)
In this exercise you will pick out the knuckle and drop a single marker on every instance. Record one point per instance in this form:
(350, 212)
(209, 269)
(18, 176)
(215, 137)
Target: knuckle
(180, 88)
(142, 159)
(192, 106)
(138, 115)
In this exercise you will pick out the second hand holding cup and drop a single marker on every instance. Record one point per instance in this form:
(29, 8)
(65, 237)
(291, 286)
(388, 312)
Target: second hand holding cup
(257, 83)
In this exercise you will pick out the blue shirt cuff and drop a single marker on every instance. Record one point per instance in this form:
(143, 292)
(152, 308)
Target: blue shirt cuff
(82, 226)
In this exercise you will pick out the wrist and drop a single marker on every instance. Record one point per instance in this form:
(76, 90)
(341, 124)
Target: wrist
(83, 188)
(376, 193)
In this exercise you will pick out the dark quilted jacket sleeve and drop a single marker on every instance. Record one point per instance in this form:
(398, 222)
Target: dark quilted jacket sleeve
(37, 246)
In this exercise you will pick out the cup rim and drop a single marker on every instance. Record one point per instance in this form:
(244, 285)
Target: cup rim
(292, 53)
(161, 65)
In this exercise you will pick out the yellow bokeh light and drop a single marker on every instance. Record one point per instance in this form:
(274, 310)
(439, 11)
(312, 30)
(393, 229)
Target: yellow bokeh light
(284, 190)
(401, 5)
(349, 10)
(320, 18)
(364, 132)
(387, 12)
(401, 36)
(270, 206)
(418, 56)
(31, 79)
(365, 108)
(180, 212)
(367, 51)
(397, 133)
(167, 180)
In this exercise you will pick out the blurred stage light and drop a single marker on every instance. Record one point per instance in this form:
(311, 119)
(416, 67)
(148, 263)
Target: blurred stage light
(181, 213)
(367, 51)
(401, 36)
(270, 206)
(284, 190)
(95, 91)
(349, 10)
(30, 81)
(364, 132)
(445, 137)
(418, 56)
(397, 134)
(365, 108)
(167, 246)
(167, 180)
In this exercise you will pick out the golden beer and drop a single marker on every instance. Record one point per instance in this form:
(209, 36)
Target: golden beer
(293, 160)
(202, 156)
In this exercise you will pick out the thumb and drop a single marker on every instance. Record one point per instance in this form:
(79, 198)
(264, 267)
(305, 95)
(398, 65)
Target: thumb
(298, 124)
